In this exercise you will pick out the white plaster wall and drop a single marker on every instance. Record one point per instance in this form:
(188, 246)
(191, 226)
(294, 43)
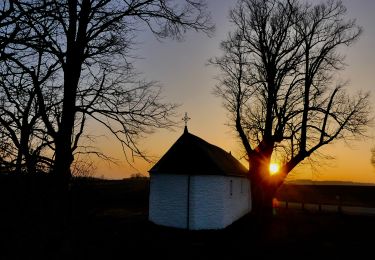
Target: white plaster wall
(206, 202)
(237, 203)
(211, 204)
(168, 200)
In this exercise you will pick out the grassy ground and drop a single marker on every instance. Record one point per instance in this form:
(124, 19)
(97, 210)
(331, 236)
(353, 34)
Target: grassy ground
(291, 234)
(109, 221)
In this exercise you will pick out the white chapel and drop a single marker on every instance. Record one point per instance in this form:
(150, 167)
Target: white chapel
(197, 185)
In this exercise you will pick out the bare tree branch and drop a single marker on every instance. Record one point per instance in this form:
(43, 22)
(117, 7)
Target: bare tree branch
(284, 55)
(85, 73)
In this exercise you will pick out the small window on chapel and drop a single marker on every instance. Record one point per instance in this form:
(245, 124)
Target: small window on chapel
(231, 187)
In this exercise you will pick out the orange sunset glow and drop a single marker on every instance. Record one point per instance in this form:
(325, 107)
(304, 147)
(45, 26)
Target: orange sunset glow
(181, 68)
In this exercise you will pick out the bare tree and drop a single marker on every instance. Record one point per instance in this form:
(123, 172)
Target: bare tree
(278, 83)
(23, 140)
(18, 120)
(87, 45)
(22, 72)
(6, 152)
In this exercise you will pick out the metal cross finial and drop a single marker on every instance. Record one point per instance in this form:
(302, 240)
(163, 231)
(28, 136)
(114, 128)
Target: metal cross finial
(186, 119)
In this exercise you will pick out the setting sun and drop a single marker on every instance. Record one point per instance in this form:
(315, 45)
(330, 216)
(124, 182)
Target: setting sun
(274, 168)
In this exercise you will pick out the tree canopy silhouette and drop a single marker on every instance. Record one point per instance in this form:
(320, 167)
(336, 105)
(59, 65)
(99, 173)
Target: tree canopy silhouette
(279, 84)
(77, 58)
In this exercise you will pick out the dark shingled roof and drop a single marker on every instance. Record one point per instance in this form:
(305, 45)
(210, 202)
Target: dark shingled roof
(194, 156)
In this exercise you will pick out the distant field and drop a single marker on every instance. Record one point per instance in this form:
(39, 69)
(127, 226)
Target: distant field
(362, 196)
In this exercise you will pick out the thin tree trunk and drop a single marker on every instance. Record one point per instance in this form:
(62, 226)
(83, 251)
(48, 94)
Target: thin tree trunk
(19, 162)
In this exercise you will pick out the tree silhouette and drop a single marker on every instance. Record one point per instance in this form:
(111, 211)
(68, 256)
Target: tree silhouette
(84, 48)
(278, 84)
(6, 150)
(21, 144)
(22, 128)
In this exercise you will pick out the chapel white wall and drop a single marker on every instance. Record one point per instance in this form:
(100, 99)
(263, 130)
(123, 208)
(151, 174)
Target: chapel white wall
(206, 202)
(238, 202)
(168, 200)
(212, 205)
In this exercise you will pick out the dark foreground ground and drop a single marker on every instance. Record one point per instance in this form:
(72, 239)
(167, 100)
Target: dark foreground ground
(109, 221)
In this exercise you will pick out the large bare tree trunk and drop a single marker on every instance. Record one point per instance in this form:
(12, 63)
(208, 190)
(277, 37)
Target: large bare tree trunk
(63, 160)
(64, 152)
(76, 42)
(262, 194)
(263, 186)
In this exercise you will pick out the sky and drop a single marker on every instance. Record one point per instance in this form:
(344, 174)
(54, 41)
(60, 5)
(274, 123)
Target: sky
(181, 67)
